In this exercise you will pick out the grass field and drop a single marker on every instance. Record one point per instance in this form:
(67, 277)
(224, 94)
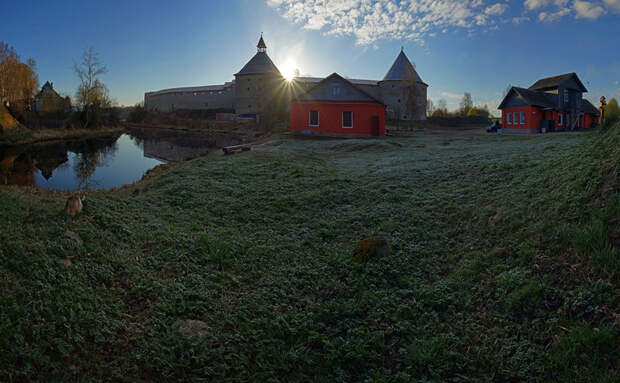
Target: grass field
(503, 266)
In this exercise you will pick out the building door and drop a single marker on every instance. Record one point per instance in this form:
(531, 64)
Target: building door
(374, 126)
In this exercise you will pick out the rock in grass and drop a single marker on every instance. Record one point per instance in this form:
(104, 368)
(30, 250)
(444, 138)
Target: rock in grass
(192, 327)
(74, 236)
(73, 206)
(66, 262)
(371, 247)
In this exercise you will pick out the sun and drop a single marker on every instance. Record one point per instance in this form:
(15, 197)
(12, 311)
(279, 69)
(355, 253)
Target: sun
(288, 69)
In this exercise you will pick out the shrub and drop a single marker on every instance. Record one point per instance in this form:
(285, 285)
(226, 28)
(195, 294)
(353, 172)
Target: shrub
(612, 114)
(215, 251)
(137, 114)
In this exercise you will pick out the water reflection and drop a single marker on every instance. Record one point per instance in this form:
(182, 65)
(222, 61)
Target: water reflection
(101, 163)
(172, 146)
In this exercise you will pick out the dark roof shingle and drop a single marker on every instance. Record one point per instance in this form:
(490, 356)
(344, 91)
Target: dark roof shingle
(530, 97)
(555, 81)
(402, 69)
(260, 63)
(588, 107)
(305, 96)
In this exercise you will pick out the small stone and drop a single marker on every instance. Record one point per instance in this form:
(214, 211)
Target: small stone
(66, 261)
(192, 327)
(74, 236)
(371, 247)
(73, 206)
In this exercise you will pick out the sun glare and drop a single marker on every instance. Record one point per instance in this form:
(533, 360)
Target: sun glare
(288, 70)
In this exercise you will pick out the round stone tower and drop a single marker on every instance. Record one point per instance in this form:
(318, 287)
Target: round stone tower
(258, 84)
(403, 92)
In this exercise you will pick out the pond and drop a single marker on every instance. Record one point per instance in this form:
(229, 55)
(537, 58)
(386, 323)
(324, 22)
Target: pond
(101, 163)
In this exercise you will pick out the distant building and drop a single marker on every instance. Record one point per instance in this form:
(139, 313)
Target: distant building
(48, 101)
(553, 103)
(259, 87)
(337, 107)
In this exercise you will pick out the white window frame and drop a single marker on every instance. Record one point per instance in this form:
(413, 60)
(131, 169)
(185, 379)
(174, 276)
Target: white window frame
(347, 127)
(318, 118)
(335, 90)
(508, 118)
(522, 118)
(560, 119)
(515, 121)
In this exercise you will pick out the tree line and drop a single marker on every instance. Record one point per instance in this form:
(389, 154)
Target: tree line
(466, 108)
(18, 80)
(19, 86)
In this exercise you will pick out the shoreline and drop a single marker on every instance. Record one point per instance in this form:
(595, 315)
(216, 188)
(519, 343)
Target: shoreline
(48, 135)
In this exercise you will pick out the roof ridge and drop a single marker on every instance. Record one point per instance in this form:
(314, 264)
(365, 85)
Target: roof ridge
(345, 80)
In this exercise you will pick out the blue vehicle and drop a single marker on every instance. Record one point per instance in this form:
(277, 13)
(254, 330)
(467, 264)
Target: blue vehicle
(494, 127)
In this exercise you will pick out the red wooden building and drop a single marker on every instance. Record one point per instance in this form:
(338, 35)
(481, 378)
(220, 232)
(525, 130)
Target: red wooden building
(553, 103)
(336, 107)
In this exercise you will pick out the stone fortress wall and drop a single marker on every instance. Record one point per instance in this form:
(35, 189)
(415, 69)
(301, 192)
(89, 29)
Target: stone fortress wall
(259, 84)
(192, 98)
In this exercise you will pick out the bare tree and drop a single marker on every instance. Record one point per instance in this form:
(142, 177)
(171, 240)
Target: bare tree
(92, 94)
(429, 107)
(442, 104)
(466, 104)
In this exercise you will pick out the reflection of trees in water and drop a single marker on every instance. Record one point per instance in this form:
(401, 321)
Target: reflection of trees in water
(18, 165)
(17, 170)
(174, 146)
(138, 140)
(49, 158)
(89, 155)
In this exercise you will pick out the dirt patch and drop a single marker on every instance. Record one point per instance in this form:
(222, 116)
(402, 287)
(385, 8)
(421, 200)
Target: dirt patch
(192, 328)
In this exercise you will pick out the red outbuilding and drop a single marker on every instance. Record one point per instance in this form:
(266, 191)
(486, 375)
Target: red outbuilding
(552, 103)
(336, 107)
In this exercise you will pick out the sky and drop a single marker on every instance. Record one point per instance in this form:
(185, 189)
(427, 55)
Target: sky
(457, 46)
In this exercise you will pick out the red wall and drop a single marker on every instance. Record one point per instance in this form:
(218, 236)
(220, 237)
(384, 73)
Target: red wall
(330, 118)
(533, 116)
(588, 120)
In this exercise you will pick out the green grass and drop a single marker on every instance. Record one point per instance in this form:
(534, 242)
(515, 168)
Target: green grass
(503, 266)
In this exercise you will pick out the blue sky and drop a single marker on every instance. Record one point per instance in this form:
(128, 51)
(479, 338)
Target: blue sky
(474, 46)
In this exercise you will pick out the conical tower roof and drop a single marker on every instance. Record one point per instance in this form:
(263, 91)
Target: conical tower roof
(402, 69)
(260, 63)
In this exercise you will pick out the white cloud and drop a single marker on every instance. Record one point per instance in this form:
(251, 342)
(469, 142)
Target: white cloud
(451, 95)
(553, 10)
(519, 20)
(496, 9)
(588, 10)
(371, 20)
(553, 16)
(613, 5)
(537, 4)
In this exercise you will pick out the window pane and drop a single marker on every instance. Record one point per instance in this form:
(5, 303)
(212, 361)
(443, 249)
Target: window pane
(522, 118)
(347, 119)
(314, 117)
